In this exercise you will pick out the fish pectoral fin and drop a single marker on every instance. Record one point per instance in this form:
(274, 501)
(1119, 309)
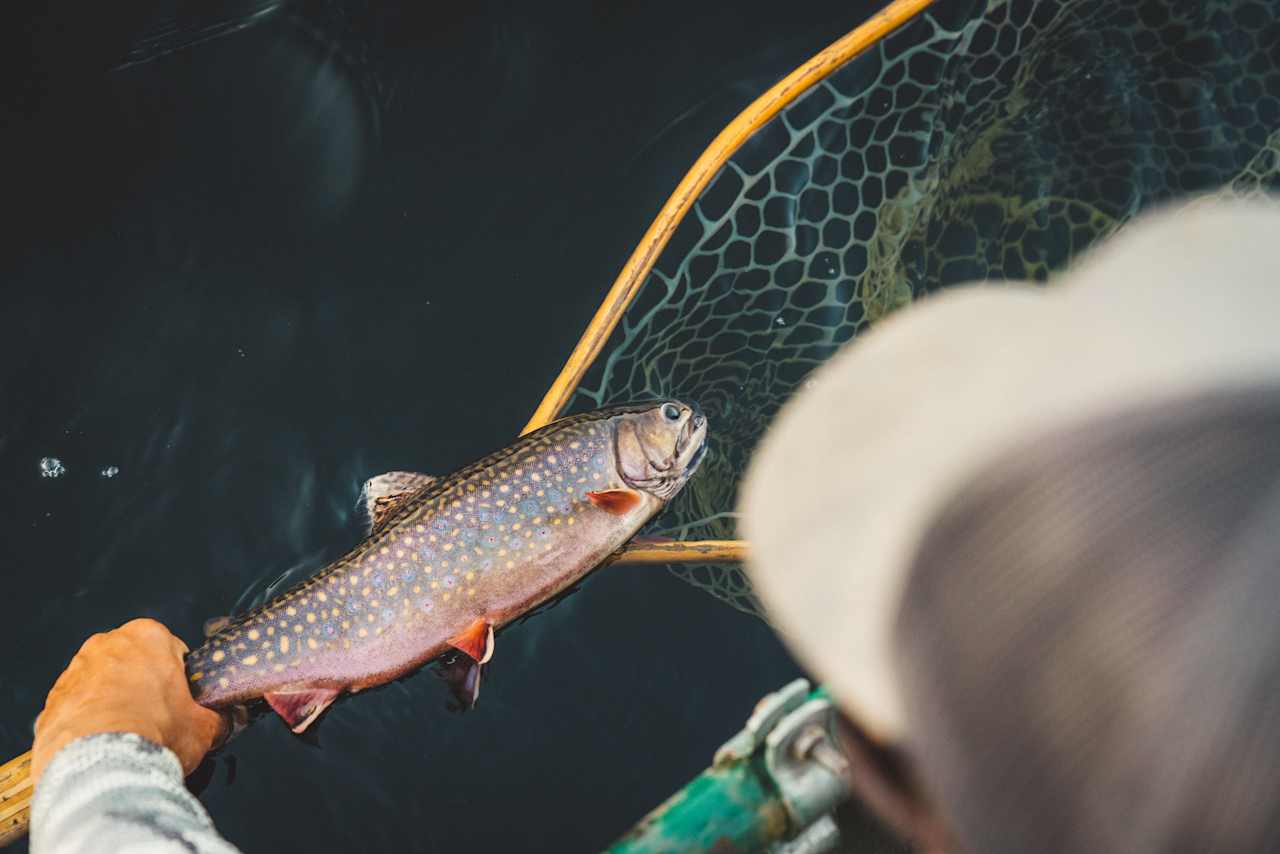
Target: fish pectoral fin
(213, 625)
(463, 674)
(299, 708)
(476, 640)
(619, 502)
(463, 678)
(386, 492)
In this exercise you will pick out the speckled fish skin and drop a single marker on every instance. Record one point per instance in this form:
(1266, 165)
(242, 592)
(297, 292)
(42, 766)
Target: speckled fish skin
(491, 542)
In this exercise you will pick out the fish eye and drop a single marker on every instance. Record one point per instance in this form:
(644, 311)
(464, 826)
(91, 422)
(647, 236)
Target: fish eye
(671, 412)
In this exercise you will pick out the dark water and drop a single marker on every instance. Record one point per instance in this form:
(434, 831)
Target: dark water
(252, 273)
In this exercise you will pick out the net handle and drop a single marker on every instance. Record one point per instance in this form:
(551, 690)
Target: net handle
(780, 95)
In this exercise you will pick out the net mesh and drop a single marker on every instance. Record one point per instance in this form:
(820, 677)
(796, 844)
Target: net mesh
(984, 140)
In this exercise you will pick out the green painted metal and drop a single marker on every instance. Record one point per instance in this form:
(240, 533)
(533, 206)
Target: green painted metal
(733, 807)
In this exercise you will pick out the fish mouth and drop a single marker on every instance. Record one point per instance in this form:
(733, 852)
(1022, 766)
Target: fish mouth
(696, 459)
(695, 432)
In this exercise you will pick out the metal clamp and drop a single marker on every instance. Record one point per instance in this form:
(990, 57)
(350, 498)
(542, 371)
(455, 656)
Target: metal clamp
(804, 759)
(796, 728)
(771, 709)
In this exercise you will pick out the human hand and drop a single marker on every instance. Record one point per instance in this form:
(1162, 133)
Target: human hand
(131, 679)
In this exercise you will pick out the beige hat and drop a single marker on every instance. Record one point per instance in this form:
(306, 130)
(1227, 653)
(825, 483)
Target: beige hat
(855, 467)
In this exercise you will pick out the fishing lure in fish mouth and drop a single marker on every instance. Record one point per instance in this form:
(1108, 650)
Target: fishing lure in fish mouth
(447, 561)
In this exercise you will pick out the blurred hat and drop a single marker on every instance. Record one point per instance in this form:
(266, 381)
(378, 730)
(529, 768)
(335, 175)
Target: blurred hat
(1018, 530)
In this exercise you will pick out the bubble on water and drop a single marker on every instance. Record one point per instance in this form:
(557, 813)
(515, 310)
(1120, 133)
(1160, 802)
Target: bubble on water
(52, 467)
(110, 471)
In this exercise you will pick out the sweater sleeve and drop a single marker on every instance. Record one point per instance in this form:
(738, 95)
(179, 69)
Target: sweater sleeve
(119, 792)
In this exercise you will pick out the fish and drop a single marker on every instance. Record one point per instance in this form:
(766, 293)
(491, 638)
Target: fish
(449, 561)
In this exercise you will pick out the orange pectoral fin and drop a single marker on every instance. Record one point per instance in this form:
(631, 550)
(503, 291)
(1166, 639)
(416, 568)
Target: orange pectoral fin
(463, 679)
(619, 502)
(476, 641)
(299, 709)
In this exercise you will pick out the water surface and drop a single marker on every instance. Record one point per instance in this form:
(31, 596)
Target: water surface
(247, 275)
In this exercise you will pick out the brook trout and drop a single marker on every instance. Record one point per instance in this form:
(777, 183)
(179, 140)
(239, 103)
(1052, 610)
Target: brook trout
(450, 560)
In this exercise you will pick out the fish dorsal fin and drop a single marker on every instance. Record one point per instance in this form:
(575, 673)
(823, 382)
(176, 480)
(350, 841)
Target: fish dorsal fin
(384, 493)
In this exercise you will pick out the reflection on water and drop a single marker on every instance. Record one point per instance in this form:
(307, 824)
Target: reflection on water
(52, 467)
(251, 273)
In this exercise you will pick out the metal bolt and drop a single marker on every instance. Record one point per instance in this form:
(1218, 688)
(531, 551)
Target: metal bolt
(813, 743)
